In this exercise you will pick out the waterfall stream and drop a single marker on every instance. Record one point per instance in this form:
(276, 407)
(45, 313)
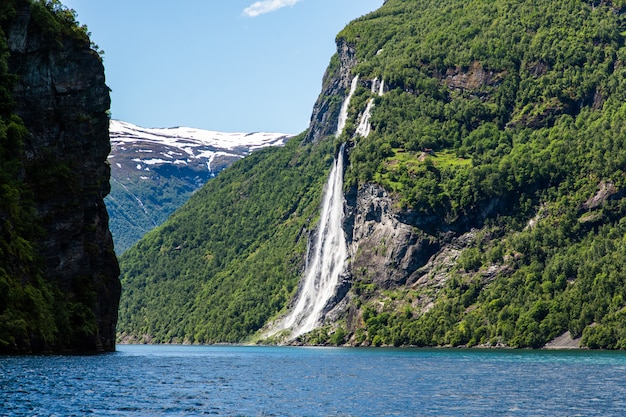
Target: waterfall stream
(343, 114)
(327, 260)
(365, 127)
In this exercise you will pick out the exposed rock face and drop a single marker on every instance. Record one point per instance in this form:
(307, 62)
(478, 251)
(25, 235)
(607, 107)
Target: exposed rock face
(335, 87)
(387, 252)
(565, 341)
(606, 191)
(63, 100)
(383, 249)
(390, 248)
(472, 79)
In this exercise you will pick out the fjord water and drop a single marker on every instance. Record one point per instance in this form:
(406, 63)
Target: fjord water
(290, 381)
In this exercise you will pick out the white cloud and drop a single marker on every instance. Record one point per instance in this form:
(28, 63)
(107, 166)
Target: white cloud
(267, 6)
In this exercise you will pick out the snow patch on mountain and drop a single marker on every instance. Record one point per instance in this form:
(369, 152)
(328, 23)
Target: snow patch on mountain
(155, 170)
(184, 145)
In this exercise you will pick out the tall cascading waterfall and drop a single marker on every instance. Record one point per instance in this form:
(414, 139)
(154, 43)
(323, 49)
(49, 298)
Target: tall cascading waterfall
(327, 261)
(364, 128)
(343, 114)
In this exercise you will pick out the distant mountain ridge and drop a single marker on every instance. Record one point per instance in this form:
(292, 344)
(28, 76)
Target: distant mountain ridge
(155, 170)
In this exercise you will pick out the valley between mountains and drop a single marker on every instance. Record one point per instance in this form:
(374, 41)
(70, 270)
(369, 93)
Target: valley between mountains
(154, 171)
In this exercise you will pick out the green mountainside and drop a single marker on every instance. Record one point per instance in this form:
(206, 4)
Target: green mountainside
(230, 258)
(500, 143)
(154, 171)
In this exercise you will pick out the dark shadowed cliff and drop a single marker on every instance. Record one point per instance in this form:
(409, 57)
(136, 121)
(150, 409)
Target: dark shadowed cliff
(58, 270)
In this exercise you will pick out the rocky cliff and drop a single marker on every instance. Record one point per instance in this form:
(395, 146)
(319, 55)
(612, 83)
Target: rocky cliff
(61, 97)
(424, 272)
(335, 86)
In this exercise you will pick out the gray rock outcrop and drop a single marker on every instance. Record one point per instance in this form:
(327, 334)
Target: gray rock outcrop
(383, 249)
(335, 87)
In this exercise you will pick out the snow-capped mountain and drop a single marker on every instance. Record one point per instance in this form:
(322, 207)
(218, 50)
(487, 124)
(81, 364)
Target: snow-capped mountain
(155, 170)
(204, 151)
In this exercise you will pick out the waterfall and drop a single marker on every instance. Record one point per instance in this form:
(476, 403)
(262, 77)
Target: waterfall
(365, 126)
(343, 114)
(327, 261)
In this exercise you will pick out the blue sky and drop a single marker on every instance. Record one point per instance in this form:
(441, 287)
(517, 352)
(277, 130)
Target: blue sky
(228, 65)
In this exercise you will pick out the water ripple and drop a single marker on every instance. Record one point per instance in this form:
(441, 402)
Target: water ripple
(260, 381)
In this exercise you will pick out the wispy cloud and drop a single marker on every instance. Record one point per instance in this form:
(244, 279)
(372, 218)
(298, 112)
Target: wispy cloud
(267, 6)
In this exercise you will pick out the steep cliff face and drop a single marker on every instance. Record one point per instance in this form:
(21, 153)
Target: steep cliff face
(387, 252)
(335, 87)
(63, 101)
(450, 242)
(383, 249)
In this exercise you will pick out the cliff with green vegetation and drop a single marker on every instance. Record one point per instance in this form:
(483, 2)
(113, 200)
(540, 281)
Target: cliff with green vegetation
(59, 286)
(484, 206)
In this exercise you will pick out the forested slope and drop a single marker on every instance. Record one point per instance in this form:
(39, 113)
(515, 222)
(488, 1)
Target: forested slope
(520, 106)
(230, 258)
(532, 93)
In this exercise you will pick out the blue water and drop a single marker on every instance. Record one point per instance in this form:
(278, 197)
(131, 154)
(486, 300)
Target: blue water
(289, 381)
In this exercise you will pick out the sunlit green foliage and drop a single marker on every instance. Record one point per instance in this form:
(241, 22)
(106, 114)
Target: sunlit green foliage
(522, 103)
(479, 77)
(229, 259)
(532, 94)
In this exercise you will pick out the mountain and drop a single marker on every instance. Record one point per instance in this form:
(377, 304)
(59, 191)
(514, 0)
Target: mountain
(155, 171)
(483, 195)
(59, 277)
